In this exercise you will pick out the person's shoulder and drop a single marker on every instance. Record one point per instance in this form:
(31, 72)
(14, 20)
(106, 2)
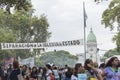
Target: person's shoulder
(49, 71)
(73, 77)
(16, 71)
(86, 71)
(118, 69)
(107, 68)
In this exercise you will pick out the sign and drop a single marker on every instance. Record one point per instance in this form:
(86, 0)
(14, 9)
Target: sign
(93, 79)
(82, 76)
(9, 61)
(40, 45)
(28, 61)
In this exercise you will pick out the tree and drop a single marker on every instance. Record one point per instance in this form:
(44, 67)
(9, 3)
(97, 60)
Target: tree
(110, 53)
(6, 36)
(20, 23)
(59, 58)
(40, 28)
(111, 19)
(24, 32)
(16, 15)
(117, 39)
(16, 5)
(112, 15)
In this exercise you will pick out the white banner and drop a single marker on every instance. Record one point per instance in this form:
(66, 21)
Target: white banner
(28, 61)
(40, 45)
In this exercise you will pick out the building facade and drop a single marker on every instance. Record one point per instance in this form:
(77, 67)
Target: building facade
(92, 46)
(92, 50)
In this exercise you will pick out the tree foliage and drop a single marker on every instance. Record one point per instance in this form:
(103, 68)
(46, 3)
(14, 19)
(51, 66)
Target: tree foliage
(59, 58)
(40, 28)
(111, 19)
(117, 39)
(110, 53)
(18, 5)
(20, 23)
(6, 36)
(112, 15)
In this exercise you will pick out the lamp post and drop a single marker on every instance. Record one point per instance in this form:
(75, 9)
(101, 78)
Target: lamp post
(31, 39)
(31, 34)
(99, 1)
(97, 54)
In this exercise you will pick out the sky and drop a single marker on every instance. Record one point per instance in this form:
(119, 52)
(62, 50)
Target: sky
(65, 18)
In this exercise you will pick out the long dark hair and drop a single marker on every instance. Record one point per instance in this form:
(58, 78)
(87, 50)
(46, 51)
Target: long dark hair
(48, 66)
(77, 65)
(1, 73)
(15, 64)
(109, 62)
(76, 68)
(87, 61)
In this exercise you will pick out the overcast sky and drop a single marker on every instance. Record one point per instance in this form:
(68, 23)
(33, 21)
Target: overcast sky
(66, 21)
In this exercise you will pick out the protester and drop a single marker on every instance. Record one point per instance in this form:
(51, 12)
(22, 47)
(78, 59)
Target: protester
(33, 75)
(91, 71)
(68, 73)
(24, 69)
(28, 72)
(111, 71)
(56, 73)
(101, 67)
(16, 71)
(49, 73)
(40, 71)
(76, 71)
(9, 70)
(1, 73)
(44, 73)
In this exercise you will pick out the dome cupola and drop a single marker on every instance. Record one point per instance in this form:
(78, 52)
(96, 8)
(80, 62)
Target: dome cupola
(91, 36)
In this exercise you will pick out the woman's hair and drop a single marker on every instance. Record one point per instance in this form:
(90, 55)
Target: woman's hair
(48, 66)
(39, 70)
(15, 64)
(102, 65)
(95, 64)
(76, 68)
(34, 68)
(25, 66)
(87, 61)
(109, 62)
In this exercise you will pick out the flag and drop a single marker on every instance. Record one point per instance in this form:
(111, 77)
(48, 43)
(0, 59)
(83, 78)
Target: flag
(84, 15)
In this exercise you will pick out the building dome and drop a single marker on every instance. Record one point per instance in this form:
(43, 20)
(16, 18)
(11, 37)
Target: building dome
(91, 37)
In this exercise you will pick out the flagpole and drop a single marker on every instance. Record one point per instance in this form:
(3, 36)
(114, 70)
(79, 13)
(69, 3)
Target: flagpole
(84, 44)
(84, 17)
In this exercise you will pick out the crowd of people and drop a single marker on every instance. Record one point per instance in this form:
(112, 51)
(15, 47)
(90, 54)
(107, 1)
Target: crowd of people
(89, 71)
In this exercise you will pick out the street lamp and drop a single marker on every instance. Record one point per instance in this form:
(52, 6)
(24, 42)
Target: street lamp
(32, 33)
(99, 1)
(97, 54)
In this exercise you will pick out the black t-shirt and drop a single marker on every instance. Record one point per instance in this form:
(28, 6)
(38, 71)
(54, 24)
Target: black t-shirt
(33, 75)
(68, 74)
(1, 73)
(14, 73)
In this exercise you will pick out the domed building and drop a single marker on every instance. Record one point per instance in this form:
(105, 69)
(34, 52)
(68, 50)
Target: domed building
(91, 46)
(91, 37)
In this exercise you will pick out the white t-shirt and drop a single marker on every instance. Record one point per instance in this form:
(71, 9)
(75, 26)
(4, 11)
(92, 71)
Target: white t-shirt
(48, 74)
(56, 73)
(73, 77)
